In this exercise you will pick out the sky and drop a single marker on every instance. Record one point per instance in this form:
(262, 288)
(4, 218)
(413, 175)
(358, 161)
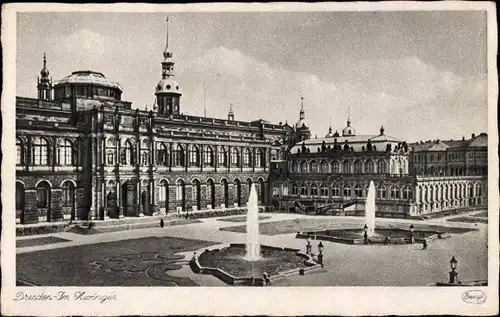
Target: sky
(422, 75)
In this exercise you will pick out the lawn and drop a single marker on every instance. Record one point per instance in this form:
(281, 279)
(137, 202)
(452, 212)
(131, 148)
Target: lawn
(38, 241)
(318, 224)
(136, 262)
(242, 218)
(468, 219)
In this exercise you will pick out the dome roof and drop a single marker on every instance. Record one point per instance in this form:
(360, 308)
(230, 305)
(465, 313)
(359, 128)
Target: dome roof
(348, 131)
(44, 72)
(329, 134)
(168, 85)
(89, 77)
(302, 123)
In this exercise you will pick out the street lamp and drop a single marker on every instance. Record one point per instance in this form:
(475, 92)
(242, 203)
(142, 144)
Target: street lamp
(412, 238)
(308, 246)
(453, 273)
(320, 255)
(365, 235)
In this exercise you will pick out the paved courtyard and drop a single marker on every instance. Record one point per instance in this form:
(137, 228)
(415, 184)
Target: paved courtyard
(159, 256)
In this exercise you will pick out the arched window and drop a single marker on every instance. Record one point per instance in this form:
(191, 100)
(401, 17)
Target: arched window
(179, 156)
(128, 154)
(381, 167)
(211, 192)
(324, 190)
(478, 190)
(469, 190)
(246, 157)
(68, 194)
(196, 192)
(194, 156)
(358, 167)
(314, 167)
(381, 192)
(358, 191)
(20, 152)
(303, 167)
(65, 153)
(369, 167)
(335, 190)
(163, 155)
(395, 193)
(41, 152)
(180, 193)
(314, 190)
(163, 194)
(43, 191)
(346, 167)
(222, 157)
(407, 193)
(347, 191)
(323, 167)
(295, 189)
(260, 158)
(208, 156)
(235, 157)
(335, 167)
(225, 191)
(295, 167)
(303, 189)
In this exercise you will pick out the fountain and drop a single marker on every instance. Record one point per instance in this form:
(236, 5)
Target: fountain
(253, 245)
(370, 210)
(251, 263)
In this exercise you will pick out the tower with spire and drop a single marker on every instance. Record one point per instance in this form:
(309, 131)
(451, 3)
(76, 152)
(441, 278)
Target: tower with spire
(167, 92)
(44, 82)
(302, 126)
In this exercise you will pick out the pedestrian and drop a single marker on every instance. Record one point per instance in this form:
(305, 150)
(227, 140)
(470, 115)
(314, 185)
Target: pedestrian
(424, 246)
(162, 223)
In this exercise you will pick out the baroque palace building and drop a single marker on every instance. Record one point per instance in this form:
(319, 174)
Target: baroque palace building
(83, 152)
(331, 175)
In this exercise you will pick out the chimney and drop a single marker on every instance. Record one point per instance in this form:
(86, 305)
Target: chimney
(473, 135)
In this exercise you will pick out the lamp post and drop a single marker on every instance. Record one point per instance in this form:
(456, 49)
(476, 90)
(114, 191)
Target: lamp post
(308, 246)
(365, 235)
(320, 255)
(453, 273)
(412, 238)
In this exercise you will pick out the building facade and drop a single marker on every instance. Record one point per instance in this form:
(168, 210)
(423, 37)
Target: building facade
(83, 152)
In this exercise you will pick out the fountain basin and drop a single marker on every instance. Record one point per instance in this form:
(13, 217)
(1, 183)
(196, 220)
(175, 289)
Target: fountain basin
(396, 235)
(227, 262)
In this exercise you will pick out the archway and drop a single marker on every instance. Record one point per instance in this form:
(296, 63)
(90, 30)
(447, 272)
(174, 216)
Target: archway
(163, 197)
(197, 193)
(145, 205)
(237, 188)
(20, 199)
(43, 199)
(128, 198)
(211, 192)
(69, 195)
